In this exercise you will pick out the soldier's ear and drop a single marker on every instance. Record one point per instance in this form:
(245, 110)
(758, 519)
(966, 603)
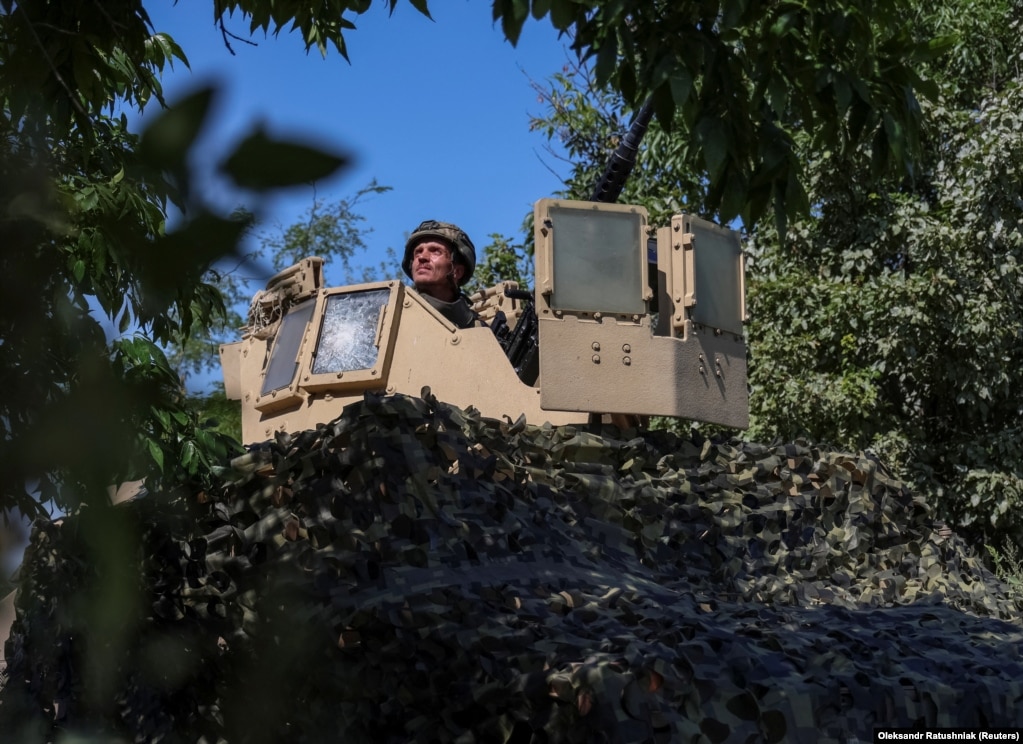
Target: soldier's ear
(458, 271)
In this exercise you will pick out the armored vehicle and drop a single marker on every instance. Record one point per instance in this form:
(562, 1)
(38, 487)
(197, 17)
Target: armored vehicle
(624, 319)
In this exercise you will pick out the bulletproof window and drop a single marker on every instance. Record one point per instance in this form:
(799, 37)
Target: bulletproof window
(280, 372)
(599, 259)
(718, 280)
(349, 332)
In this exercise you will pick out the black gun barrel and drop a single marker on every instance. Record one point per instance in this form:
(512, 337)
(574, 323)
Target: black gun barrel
(611, 183)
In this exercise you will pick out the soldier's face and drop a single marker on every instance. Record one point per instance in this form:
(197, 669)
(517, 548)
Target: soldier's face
(433, 270)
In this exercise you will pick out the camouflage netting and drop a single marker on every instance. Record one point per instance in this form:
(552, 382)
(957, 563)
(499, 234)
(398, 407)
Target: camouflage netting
(414, 572)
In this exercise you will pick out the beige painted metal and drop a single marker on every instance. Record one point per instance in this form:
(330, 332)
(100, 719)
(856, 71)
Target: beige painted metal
(619, 367)
(463, 366)
(418, 348)
(591, 360)
(493, 300)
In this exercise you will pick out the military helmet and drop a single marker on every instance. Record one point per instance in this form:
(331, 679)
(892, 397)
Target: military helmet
(462, 249)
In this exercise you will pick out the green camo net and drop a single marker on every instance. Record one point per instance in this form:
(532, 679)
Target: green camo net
(415, 572)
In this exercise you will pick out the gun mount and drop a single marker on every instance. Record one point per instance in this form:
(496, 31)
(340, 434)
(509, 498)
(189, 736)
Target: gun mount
(623, 160)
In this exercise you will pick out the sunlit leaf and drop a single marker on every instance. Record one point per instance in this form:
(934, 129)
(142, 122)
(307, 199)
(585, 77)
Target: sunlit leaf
(156, 452)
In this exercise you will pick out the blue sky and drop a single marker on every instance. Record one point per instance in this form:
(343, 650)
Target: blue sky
(438, 110)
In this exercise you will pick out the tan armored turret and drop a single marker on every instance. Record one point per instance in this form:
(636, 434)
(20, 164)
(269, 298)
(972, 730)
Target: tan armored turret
(613, 333)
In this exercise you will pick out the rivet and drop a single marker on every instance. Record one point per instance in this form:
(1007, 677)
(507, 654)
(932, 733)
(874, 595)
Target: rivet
(595, 346)
(627, 361)
(596, 358)
(626, 348)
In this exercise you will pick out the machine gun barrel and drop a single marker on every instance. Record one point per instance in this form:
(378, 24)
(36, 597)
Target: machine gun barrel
(521, 344)
(611, 183)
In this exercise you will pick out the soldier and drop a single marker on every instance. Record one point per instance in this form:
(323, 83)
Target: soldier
(439, 259)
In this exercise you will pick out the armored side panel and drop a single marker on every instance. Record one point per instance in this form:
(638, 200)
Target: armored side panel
(330, 346)
(598, 347)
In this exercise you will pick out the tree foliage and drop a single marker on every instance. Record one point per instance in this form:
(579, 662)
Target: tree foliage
(893, 318)
(742, 80)
(335, 231)
(94, 284)
(321, 25)
(502, 259)
(889, 317)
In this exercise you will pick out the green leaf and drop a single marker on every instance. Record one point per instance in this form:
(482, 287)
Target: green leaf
(163, 417)
(419, 5)
(156, 452)
(563, 14)
(169, 48)
(681, 83)
(262, 163)
(935, 47)
(513, 14)
(607, 59)
(733, 195)
(664, 106)
(87, 198)
(188, 456)
(714, 142)
(166, 141)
